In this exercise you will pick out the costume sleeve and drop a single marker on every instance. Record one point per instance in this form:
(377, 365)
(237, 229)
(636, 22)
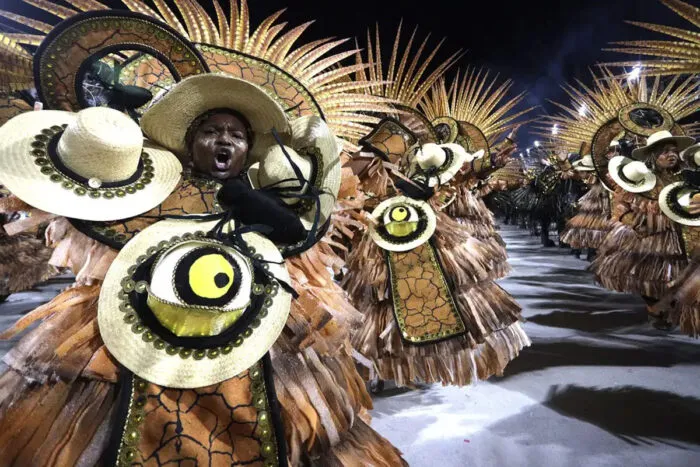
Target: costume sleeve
(251, 206)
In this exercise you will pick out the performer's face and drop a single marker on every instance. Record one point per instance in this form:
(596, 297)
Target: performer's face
(668, 158)
(220, 146)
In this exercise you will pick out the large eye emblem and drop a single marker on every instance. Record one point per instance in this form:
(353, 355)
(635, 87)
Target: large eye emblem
(207, 276)
(402, 223)
(199, 288)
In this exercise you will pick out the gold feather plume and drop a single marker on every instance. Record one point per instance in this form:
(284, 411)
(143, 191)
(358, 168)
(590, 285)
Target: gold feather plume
(317, 65)
(678, 56)
(592, 107)
(405, 80)
(475, 98)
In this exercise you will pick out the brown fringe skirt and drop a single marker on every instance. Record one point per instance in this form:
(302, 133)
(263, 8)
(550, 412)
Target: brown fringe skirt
(24, 262)
(588, 228)
(490, 314)
(640, 264)
(478, 221)
(57, 396)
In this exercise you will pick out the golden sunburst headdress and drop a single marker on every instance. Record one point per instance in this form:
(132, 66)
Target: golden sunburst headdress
(226, 43)
(406, 79)
(616, 108)
(474, 107)
(678, 56)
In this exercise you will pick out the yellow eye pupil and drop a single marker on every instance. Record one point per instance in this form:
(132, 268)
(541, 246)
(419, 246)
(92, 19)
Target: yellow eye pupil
(399, 214)
(211, 276)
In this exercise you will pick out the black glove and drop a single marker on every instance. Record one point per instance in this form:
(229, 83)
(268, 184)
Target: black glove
(251, 206)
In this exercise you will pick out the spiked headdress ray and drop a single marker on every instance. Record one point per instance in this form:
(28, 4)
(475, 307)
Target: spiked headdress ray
(475, 99)
(316, 65)
(679, 55)
(616, 107)
(406, 79)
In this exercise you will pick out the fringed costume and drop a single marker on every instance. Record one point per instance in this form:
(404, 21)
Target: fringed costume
(305, 404)
(591, 224)
(473, 112)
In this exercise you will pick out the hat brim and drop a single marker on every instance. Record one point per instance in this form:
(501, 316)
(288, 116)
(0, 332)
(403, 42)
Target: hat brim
(424, 236)
(307, 132)
(665, 200)
(614, 168)
(579, 166)
(683, 143)
(23, 177)
(158, 366)
(460, 158)
(167, 120)
(688, 155)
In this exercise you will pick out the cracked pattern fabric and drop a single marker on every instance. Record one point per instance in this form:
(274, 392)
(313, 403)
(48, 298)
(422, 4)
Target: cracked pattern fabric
(191, 196)
(290, 94)
(391, 140)
(60, 61)
(423, 306)
(215, 426)
(11, 107)
(147, 72)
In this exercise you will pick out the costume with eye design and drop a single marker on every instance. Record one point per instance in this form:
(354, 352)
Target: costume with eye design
(96, 406)
(419, 324)
(644, 253)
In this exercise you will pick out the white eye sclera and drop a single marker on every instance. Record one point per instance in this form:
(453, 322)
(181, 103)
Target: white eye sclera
(203, 274)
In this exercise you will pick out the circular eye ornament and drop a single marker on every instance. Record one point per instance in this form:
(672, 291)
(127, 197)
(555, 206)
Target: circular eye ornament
(181, 309)
(675, 199)
(402, 224)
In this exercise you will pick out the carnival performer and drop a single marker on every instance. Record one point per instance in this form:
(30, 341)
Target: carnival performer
(469, 113)
(590, 225)
(432, 313)
(643, 254)
(320, 395)
(680, 202)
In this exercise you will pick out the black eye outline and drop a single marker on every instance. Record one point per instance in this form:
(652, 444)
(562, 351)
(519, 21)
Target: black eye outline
(422, 220)
(183, 289)
(396, 208)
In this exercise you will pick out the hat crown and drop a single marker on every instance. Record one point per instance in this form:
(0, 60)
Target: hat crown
(275, 167)
(101, 143)
(658, 136)
(636, 171)
(430, 155)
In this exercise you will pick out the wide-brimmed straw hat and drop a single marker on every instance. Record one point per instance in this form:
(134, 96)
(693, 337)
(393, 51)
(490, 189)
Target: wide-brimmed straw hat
(692, 156)
(439, 163)
(171, 115)
(91, 165)
(314, 149)
(675, 198)
(402, 224)
(183, 310)
(585, 164)
(631, 175)
(659, 138)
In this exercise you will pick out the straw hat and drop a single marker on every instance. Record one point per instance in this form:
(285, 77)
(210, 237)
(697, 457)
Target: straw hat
(91, 165)
(692, 155)
(446, 159)
(402, 224)
(631, 175)
(675, 198)
(659, 138)
(182, 310)
(314, 149)
(585, 164)
(168, 119)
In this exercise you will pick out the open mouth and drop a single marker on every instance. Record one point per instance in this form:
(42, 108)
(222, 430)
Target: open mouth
(222, 160)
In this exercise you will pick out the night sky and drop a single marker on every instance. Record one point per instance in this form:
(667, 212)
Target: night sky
(540, 44)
